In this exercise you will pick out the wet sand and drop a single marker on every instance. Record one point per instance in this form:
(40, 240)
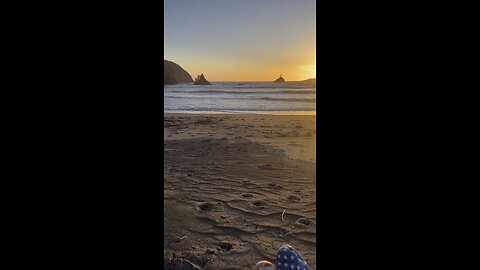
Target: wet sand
(236, 188)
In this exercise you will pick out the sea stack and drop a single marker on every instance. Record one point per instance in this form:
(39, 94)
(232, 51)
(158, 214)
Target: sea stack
(200, 80)
(280, 79)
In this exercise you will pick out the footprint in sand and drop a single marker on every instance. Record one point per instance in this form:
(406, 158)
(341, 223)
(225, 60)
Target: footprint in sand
(185, 261)
(179, 264)
(304, 221)
(224, 245)
(275, 186)
(210, 251)
(209, 206)
(266, 167)
(259, 203)
(293, 198)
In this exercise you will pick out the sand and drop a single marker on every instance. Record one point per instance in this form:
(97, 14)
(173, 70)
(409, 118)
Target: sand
(227, 181)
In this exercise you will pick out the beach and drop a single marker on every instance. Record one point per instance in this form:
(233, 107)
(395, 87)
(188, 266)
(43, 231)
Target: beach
(236, 188)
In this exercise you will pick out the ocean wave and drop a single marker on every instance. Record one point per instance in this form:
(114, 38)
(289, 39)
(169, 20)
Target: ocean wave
(290, 99)
(249, 109)
(252, 98)
(240, 97)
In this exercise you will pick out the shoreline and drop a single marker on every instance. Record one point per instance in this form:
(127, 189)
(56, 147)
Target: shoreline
(292, 134)
(166, 113)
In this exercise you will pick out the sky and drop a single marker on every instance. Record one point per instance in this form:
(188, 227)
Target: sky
(242, 40)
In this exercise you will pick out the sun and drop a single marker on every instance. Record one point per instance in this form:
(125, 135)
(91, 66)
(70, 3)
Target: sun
(310, 70)
(313, 71)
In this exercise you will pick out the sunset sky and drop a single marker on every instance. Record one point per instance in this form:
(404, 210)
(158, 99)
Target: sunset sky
(247, 40)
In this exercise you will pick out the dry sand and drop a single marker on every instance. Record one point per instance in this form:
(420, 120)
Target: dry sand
(228, 179)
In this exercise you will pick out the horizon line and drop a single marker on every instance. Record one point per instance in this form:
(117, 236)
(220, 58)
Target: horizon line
(266, 81)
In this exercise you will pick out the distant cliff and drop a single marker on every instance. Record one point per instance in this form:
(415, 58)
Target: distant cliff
(173, 73)
(307, 81)
(312, 80)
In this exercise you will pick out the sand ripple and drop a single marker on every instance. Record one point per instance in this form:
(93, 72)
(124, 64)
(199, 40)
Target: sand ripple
(226, 197)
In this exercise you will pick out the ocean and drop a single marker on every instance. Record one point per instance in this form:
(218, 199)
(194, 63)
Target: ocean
(241, 97)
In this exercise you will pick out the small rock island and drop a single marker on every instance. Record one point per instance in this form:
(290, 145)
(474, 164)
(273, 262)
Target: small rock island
(280, 79)
(200, 80)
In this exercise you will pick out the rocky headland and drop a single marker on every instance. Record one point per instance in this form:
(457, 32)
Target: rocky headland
(173, 73)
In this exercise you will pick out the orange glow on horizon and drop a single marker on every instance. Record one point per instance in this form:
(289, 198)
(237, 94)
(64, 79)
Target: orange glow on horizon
(215, 69)
(242, 41)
